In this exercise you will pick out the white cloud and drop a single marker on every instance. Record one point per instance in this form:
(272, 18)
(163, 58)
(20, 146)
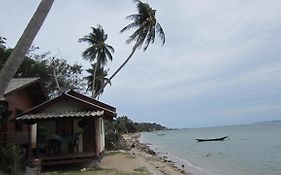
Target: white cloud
(220, 56)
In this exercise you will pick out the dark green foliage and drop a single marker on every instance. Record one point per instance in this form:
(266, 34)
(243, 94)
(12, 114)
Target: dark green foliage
(43, 65)
(11, 161)
(123, 125)
(148, 127)
(100, 79)
(146, 26)
(4, 54)
(68, 76)
(2, 42)
(4, 112)
(112, 139)
(98, 51)
(126, 125)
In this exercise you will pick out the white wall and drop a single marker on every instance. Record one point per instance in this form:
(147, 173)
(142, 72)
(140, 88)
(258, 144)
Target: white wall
(102, 135)
(34, 135)
(76, 129)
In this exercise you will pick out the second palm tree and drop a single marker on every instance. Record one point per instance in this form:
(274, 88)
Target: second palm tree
(146, 28)
(99, 52)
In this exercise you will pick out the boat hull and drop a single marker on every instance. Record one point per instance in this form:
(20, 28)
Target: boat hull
(211, 139)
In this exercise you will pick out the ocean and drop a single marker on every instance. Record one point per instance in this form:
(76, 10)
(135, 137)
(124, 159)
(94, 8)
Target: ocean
(253, 149)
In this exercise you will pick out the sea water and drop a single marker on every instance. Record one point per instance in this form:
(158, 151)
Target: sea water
(253, 149)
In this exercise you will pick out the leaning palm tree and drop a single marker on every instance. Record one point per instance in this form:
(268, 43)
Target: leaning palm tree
(15, 59)
(100, 78)
(146, 28)
(98, 51)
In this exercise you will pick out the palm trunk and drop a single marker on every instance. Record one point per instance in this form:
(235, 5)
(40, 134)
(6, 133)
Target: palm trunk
(15, 59)
(94, 81)
(113, 75)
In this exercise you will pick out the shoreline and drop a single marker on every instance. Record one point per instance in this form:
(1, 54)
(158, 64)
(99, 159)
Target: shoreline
(179, 163)
(156, 163)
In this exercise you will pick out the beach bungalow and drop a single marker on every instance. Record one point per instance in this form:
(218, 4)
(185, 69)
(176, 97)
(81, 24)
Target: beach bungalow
(22, 94)
(70, 128)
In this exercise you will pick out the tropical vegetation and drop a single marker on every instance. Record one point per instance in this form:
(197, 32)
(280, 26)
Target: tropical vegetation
(99, 53)
(100, 78)
(123, 125)
(57, 75)
(44, 65)
(18, 54)
(146, 27)
(12, 159)
(126, 125)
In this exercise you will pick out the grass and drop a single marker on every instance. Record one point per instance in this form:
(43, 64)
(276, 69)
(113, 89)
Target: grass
(128, 155)
(142, 170)
(99, 171)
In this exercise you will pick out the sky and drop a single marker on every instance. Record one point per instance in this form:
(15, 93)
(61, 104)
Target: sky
(220, 65)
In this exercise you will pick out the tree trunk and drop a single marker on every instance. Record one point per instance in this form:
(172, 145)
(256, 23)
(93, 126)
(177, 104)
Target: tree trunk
(15, 59)
(94, 80)
(113, 75)
(56, 81)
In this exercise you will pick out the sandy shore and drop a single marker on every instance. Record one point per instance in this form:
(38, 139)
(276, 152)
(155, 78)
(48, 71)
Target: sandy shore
(143, 157)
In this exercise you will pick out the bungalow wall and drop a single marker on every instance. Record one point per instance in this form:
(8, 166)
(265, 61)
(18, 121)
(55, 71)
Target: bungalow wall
(18, 102)
(64, 106)
(92, 138)
(102, 134)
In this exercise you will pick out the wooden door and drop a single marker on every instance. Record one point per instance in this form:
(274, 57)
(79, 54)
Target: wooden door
(64, 127)
(89, 143)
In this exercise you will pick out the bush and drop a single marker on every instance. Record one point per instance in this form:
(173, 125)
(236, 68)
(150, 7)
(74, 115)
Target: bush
(112, 140)
(11, 160)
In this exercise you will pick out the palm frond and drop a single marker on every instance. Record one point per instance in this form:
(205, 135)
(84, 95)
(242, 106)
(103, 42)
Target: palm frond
(161, 33)
(140, 39)
(144, 9)
(150, 37)
(102, 59)
(110, 48)
(97, 39)
(83, 39)
(134, 17)
(131, 25)
(147, 26)
(108, 54)
(90, 53)
(134, 36)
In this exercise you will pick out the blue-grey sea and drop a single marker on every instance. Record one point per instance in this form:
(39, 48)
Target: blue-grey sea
(253, 149)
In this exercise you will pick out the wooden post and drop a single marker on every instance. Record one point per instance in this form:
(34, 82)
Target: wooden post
(29, 142)
(97, 135)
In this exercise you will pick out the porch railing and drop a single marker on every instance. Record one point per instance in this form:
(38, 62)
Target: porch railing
(69, 158)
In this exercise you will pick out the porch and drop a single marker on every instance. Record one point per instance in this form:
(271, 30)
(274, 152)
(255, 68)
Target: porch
(68, 158)
(70, 129)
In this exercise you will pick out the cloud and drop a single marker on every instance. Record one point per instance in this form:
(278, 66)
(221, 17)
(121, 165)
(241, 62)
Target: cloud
(220, 65)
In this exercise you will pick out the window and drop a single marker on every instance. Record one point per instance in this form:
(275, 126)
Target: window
(18, 126)
(64, 127)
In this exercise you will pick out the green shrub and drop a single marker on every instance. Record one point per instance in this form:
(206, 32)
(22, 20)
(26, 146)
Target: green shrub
(112, 140)
(11, 162)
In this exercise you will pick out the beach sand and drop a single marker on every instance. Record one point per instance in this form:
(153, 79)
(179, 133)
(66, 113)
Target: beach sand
(140, 156)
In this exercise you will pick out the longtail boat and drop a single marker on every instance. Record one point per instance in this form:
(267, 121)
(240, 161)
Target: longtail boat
(211, 139)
